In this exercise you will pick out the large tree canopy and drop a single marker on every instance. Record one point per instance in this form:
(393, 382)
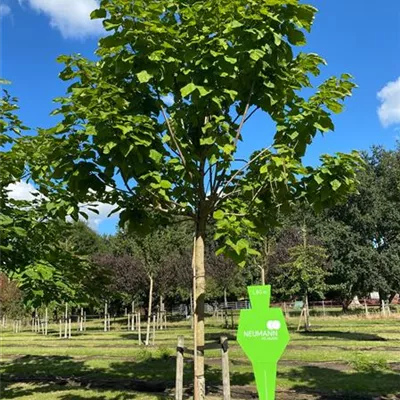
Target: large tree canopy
(154, 123)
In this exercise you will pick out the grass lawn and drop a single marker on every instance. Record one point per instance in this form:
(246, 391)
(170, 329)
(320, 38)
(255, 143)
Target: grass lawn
(341, 358)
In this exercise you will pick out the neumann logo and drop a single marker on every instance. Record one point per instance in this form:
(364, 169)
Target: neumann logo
(271, 333)
(274, 325)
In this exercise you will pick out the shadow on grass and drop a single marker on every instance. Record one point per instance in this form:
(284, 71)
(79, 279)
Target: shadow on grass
(147, 374)
(334, 384)
(344, 335)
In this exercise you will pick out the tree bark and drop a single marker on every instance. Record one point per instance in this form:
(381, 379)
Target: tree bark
(307, 314)
(199, 270)
(262, 275)
(149, 311)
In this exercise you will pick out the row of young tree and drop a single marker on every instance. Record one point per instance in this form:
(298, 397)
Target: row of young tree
(349, 250)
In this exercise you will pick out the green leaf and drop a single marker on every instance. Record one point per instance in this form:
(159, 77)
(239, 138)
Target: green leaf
(318, 178)
(335, 184)
(219, 214)
(207, 140)
(165, 184)
(144, 76)
(230, 60)
(203, 91)
(155, 155)
(70, 210)
(256, 54)
(99, 13)
(5, 220)
(188, 89)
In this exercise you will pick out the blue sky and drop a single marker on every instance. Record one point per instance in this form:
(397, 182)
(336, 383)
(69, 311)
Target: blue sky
(361, 37)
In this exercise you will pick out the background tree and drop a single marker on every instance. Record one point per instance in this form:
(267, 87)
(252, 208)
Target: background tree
(305, 273)
(363, 235)
(220, 63)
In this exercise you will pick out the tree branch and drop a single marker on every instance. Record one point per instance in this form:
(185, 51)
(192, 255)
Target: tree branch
(172, 133)
(246, 110)
(244, 167)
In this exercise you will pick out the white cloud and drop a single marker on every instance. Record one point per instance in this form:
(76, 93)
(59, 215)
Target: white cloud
(389, 110)
(94, 219)
(70, 17)
(21, 191)
(24, 191)
(4, 10)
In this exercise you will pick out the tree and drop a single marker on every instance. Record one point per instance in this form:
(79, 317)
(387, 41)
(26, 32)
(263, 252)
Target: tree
(225, 274)
(305, 273)
(14, 218)
(154, 124)
(363, 235)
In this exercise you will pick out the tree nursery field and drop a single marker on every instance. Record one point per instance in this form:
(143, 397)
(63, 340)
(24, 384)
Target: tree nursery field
(339, 358)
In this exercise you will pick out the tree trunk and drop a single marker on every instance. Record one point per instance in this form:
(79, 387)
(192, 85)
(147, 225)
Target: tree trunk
(105, 316)
(392, 296)
(225, 299)
(345, 305)
(199, 292)
(307, 314)
(262, 275)
(149, 311)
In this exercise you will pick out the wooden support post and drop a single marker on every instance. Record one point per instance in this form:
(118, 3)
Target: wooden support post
(84, 320)
(225, 369)
(66, 321)
(154, 330)
(139, 327)
(179, 369)
(109, 322)
(60, 327)
(81, 321)
(69, 328)
(285, 310)
(366, 309)
(129, 322)
(46, 321)
(105, 316)
(126, 312)
(232, 322)
(158, 319)
(301, 318)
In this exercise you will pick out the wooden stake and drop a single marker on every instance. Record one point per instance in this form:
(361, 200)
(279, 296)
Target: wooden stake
(60, 326)
(225, 368)
(46, 320)
(154, 330)
(129, 322)
(149, 311)
(69, 328)
(66, 321)
(301, 318)
(179, 369)
(139, 328)
(105, 316)
(366, 309)
(81, 321)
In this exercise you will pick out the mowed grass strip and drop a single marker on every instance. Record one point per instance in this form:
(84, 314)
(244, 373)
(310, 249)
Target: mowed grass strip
(322, 358)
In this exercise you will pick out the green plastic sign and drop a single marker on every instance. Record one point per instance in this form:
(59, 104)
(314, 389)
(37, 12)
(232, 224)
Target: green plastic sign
(263, 336)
